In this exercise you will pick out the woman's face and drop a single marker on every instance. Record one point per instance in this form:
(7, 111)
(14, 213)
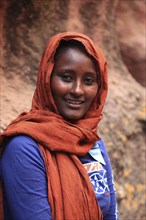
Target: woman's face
(74, 84)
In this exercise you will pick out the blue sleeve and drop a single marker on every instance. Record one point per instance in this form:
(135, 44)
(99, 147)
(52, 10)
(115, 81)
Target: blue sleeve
(24, 180)
(112, 213)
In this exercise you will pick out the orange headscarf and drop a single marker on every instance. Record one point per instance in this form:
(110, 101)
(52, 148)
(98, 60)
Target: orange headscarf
(70, 193)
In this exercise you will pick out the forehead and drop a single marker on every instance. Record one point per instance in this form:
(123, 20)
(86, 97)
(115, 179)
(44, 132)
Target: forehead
(75, 57)
(64, 45)
(75, 44)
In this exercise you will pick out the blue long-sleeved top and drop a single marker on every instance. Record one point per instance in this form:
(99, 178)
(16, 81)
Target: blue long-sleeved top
(24, 179)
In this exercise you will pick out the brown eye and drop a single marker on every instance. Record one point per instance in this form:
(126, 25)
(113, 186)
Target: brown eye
(66, 78)
(89, 81)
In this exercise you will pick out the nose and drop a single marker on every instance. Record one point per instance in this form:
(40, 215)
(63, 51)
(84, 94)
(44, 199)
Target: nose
(77, 88)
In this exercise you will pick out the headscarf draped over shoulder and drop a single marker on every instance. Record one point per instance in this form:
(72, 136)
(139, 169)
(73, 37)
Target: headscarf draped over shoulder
(70, 193)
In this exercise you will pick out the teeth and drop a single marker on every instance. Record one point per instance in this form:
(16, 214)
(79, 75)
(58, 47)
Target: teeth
(73, 102)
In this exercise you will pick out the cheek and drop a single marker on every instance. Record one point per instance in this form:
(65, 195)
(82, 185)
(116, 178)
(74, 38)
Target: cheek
(58, 87)
(92, 93)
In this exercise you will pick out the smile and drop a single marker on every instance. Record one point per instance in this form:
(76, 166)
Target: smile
(74, 103)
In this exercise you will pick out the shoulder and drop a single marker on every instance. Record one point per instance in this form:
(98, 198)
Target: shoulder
(19, 140)
(22, 147)
(101, 145)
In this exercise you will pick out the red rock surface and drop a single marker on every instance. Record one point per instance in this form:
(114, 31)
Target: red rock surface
(131, 27)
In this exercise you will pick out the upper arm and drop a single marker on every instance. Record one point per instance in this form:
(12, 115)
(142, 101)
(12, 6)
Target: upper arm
(24, 180)
(112, 212)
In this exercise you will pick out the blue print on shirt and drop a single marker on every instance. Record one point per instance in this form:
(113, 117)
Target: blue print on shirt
(98, 178)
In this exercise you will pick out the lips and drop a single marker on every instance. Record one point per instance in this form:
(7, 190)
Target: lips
(74, 103)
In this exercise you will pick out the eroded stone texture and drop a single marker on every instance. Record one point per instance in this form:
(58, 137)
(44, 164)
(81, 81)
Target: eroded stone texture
(131, 27)
(27, 25)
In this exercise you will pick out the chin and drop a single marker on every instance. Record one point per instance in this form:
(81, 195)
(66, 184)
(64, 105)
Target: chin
(73, 119)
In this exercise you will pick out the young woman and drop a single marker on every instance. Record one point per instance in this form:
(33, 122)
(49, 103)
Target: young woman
(53, 163)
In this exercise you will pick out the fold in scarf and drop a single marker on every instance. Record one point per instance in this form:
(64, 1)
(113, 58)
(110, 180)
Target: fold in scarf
(70, 192)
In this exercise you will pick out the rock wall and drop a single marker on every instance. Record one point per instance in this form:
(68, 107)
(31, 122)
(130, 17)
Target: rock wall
(118, 28)
(131, 29)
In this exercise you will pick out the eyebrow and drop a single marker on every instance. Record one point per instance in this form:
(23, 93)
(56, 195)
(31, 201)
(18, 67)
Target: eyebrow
(72, 71)
(93, 73)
